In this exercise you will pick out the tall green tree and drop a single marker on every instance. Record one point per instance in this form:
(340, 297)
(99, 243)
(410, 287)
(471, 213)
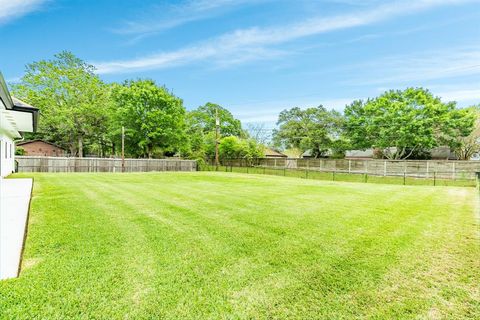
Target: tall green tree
(316, 129)
(73, 101)
(404, 122)
(468, 146)
(233, 147)
(204, 118)
(201, 128)
(154, 119)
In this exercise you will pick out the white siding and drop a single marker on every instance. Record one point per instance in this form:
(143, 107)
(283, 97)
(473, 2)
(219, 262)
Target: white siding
(7, 155)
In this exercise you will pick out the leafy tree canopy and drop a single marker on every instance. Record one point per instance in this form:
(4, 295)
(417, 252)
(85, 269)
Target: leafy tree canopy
(73, 101)
(154, 119)
(402, 122)
(233, 147)
(468, 146)
(317, 129)
(204, 118)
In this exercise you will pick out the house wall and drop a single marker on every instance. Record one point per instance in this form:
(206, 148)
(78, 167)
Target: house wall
(39, 148)
(7, 155)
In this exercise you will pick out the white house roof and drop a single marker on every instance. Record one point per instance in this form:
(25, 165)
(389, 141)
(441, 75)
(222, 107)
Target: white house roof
(368, 153)
(16, 116)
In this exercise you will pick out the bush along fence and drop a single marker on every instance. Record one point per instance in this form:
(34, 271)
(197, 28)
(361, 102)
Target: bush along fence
(435, 173)
(66, 164)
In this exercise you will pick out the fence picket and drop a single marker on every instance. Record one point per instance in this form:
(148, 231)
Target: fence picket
(64, 164)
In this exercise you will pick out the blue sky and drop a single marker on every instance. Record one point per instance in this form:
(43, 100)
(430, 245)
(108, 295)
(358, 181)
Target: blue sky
(257, 57)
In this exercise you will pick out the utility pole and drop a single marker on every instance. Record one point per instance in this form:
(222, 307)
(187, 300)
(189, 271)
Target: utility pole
(123, 149)
(217, 137)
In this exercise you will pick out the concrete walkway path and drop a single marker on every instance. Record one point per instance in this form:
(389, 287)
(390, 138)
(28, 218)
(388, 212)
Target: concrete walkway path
(14, 204)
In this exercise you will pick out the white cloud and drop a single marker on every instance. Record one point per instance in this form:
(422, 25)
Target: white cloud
(13, 79)
(267, 111)
(462, 96)
(437, 64)
(160, 18)
(234, 45)
(12, 9)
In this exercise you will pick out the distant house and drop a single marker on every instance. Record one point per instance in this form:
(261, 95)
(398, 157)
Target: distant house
(309, 154)
(41, 148)
(16, 117)
(442, 153)
(360, 154)
(293, 153)
(438, 153)
(271, 153)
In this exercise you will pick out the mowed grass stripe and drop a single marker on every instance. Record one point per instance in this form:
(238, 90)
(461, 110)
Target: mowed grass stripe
(210, 245)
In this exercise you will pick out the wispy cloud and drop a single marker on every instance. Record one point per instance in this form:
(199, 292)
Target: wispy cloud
(12, 9)
(464, 95)
(267, 111)
(419, 67)
(234, 45)
(13, 79)
(472, 95)
(164, 17)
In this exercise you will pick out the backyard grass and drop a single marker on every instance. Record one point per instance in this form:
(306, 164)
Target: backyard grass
(467, 181)
(209, 245)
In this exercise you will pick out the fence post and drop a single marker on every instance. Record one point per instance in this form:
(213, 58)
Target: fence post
(349, 166)
(453, 171)
(404, 177)
(247, 169)
(284, 171)
(306, 174)
(264, 170)
(434, 178)
(366, 177)
(333, 175)
(385, 168)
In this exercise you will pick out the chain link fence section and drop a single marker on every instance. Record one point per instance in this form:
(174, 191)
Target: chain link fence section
(414, 172)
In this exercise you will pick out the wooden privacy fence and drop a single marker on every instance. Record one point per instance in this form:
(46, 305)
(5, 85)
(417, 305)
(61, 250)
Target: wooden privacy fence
(444, 169)
(66, 164)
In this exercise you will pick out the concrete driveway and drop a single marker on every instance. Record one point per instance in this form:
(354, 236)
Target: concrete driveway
(14, 205)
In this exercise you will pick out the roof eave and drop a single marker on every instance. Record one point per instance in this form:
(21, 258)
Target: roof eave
(33, 111)
(4, 94)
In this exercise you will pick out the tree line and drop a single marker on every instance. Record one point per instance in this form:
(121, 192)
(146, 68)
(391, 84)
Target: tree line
(84, 115)
(398, 124)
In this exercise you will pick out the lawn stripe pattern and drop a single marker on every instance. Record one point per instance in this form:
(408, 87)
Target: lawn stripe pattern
(212, 245)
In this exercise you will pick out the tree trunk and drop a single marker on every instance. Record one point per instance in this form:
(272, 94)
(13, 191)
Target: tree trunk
(149, 152)
(102, 148)
(73, 151)
(80, 146)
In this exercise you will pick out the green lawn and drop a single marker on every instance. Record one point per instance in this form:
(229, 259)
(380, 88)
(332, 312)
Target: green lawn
(209, 245)
(349, 177)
